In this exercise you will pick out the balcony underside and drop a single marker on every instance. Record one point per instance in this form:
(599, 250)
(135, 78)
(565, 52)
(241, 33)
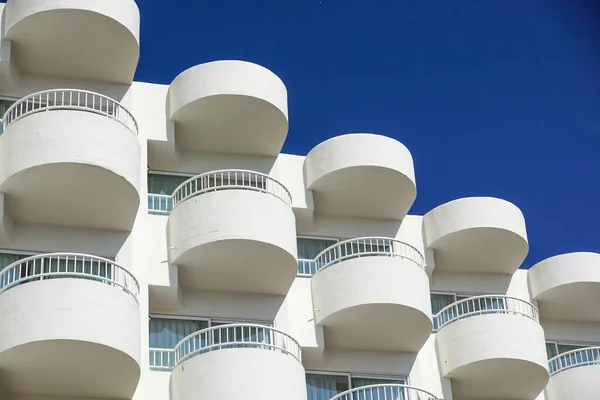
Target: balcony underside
(566, 302)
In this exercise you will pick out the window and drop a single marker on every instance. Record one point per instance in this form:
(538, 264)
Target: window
(160, 188)
(441, 300)
(323, 386)
(555, 348)
(4, 106)
(308, 250)
(7, 258)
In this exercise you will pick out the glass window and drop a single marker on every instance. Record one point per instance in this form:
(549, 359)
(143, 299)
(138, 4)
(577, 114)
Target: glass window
(164, 184)
(308, 250)
(166, 333)
(8, 258)
(439, 301)
(4, 106)
(551, 350)
(324, 387)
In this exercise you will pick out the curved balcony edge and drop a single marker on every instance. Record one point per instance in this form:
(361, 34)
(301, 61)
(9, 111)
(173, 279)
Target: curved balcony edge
(384, 392)
(574, 359)
(236, 336)
(68, 265)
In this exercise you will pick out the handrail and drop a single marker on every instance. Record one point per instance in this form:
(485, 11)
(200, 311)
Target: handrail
(487, 304)
(573, 359)
(236, 336)
(161, 359)
(368, 247)
(69, 99)
(160, 204)
(228, 179)
(385, 392)
(68, 265)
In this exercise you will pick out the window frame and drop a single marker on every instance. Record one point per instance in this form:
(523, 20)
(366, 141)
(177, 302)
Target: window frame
(313, 237)
(360, 375)
(557, 343)
(6, 98)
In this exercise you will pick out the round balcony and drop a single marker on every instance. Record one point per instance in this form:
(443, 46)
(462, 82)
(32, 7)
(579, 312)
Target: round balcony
(361, 175)
(70, 158)
(90, 40)
(562, 284)
(477, 234)
(574, 374)
(231, 107)
(485, 341)
(70, 324)
(233, 230)
(238, 361)
(385, 392)
(372, 294)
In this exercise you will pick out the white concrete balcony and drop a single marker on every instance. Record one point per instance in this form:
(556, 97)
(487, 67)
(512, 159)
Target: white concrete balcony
(373, 294)
(231, 107)
(385, 392)
(483, 342)
(564, 284)
(233, 230)
(361, 175)
(91, 40)
(238, 361)
(70, 327)
(477, 234)
(574, 375)
(70, 158)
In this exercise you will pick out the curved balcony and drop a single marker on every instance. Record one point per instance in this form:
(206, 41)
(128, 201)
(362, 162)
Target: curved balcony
(485, 341)
(477, 234)
(233, 230)
(563, 284)
(574, 374)
(386, 392)
(361, 175)
(262, 362)
(68, 319)
(372, 293)
(229, 107)
(48, 38)
(71, 158)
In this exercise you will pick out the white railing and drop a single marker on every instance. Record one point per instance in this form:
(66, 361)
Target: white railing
(367, 247)
(230, 179)
(162, 359)
(481, 305)
(160, 204)
(385, 392)
(573, 359)
(235, 336)
(306, 268)
(69, 99)
(68, 265)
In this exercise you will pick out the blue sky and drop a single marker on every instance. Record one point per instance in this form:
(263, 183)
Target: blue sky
(493, 98)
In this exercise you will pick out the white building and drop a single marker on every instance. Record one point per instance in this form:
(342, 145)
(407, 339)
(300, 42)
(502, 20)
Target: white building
(138, 222)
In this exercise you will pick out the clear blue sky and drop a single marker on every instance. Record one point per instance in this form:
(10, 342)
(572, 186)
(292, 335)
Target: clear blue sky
(493, 98)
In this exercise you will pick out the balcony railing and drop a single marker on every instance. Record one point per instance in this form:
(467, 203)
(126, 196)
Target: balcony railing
(160, 204)
(162, 359)
(481, 305)
(306, 268)
(236, 336)
(69, 99)
(367, 247)
(385, 392)
(229, 179)
(68, 266)
(573, 359)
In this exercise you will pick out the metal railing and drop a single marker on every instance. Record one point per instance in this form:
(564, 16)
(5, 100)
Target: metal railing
(306, 268)
(573, 359)
(68, 265)
(162, 359)
(481, 305)
(69, 99)
(160, 204)
(228, 179)
(235, 336)
(385, 392)
(367, 247)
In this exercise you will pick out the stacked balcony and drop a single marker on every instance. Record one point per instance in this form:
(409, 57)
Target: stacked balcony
(70, 327)
(361, 176)
(370, 288)
(88, 40)
(477, 235)
(233, 230)
(574, 374)
(231, 107)
(483, 342)
(71, 158)
(386, 392)
(238, 361)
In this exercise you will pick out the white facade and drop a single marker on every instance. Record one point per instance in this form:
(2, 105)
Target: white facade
(155, 244)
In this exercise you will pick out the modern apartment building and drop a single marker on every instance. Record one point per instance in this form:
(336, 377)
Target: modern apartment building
(155, 244)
